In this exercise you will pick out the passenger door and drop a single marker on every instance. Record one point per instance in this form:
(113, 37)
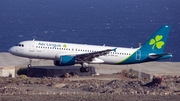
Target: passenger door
(31, 47)
(138, 55)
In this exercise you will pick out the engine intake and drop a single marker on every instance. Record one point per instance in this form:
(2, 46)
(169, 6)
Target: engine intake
(65, 61)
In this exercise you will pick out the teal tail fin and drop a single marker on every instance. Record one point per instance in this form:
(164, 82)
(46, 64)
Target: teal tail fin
(157, 41)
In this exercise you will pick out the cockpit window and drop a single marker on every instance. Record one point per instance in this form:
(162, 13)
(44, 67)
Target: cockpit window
(20, 45)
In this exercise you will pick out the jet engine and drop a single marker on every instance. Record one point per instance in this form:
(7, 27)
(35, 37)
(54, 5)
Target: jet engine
(65, 61)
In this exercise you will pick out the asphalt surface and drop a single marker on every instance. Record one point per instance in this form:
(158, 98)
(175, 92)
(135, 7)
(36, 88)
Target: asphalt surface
(149, 68)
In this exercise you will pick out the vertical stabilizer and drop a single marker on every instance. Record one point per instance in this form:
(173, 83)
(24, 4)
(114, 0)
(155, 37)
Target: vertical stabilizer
(157, 41)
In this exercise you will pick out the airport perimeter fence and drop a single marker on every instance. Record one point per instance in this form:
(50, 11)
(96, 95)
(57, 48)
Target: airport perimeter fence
(79, 93)
(17, 91)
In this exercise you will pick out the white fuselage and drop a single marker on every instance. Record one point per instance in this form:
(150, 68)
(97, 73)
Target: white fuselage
(64, 54)
(52, 50)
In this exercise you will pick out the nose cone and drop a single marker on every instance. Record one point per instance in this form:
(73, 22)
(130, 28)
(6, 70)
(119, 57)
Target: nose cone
(12, 50)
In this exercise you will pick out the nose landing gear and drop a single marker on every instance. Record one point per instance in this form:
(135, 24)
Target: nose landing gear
(30, 63)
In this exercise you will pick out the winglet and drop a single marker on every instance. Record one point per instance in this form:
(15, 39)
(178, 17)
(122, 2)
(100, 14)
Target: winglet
(114, 49)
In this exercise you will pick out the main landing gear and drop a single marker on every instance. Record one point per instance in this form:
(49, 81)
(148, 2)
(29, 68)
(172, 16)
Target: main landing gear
(84, 67)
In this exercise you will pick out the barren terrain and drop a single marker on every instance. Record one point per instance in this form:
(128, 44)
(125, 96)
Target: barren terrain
(103, 87)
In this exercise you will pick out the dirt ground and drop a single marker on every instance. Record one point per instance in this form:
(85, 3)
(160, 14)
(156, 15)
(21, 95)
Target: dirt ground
(115, 87)
(88, 98)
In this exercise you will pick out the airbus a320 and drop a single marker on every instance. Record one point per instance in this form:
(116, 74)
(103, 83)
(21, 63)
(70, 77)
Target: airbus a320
(66, 54)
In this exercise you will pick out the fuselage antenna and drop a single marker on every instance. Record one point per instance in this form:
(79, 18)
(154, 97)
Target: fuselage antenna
(34, 38)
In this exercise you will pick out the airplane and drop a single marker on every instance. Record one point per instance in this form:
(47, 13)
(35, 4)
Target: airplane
(66, 54)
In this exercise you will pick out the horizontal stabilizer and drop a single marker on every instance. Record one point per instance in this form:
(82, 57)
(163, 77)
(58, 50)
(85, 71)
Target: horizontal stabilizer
(154, 55)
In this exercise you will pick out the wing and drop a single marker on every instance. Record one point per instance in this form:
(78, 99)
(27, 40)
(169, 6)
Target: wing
(90, 56)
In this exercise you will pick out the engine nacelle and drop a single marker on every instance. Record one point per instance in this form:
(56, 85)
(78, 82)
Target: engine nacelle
(65, 61)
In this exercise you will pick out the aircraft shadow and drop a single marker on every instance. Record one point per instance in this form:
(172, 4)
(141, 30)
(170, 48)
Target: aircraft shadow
(57, 71)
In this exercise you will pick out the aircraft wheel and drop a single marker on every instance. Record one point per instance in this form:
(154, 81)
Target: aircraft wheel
(87, 69)
(29, 65)
(82, 69)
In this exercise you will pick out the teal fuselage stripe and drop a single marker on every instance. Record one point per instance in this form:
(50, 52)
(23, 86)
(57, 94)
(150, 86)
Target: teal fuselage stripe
(131, 59)
(136, 58)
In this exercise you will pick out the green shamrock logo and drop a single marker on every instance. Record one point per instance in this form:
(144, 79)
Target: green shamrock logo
(64, 46)
(157, 42)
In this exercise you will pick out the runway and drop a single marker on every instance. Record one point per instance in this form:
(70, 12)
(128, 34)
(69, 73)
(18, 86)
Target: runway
(148, 69)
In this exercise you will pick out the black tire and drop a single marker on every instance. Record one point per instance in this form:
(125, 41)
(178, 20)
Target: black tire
(29, 65)
(82, 69)
(87, 69)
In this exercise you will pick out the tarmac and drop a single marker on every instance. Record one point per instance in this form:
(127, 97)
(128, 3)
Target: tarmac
(148, 69)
